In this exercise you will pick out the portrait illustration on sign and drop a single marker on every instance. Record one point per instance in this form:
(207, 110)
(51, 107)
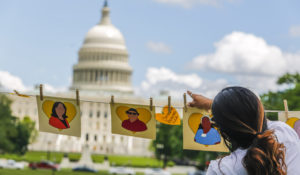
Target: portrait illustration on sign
(200, 132)
(206, 133)
(133, 123)
(59, 115)
(133, 120)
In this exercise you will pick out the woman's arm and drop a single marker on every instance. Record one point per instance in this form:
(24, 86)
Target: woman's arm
(200, 101)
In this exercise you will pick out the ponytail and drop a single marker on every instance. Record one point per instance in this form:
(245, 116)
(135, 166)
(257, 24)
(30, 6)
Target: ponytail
(239, 114)
(265, 156)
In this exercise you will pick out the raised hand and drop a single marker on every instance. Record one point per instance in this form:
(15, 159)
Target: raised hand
(199, 101)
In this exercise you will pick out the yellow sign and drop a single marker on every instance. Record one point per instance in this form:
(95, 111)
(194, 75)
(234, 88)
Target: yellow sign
(59, 116)
(133, 120)
(200, 133)
(169, 118)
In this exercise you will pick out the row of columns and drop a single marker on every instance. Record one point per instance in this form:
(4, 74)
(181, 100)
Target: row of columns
(96, 57)
(101, 76)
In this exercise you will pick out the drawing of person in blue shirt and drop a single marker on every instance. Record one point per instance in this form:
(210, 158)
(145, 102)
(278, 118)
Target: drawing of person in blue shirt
(206, 133)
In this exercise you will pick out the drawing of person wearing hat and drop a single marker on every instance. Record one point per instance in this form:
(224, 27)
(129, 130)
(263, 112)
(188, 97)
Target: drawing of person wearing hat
(133, 123)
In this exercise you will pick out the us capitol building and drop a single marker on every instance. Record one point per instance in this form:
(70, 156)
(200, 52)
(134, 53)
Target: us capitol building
(102, 70)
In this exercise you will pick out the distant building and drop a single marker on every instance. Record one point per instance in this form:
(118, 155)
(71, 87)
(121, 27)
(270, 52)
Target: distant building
(102, 70)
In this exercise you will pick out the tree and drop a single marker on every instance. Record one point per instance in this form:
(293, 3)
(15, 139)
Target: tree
(15, 134)
(274, 100)
(289, 79)
(163, 144)
(7, 125)
(26, 134)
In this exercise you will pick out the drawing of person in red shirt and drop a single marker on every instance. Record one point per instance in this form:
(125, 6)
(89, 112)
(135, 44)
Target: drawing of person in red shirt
(58, 116)
(133, 123)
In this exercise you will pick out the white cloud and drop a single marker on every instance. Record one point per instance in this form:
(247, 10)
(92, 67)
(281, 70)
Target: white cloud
(164, 79)
(157, 75)
(243, 53)
(295, 31)
(159, 47)
(249, 60)
(259, 84)
(190, 3)
(11, 82)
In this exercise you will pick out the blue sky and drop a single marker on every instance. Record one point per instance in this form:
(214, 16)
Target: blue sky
(40, 39)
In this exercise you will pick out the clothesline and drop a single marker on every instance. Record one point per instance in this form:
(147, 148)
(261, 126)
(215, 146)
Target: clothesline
(108, 102)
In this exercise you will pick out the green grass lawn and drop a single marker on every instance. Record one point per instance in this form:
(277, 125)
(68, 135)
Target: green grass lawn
(97, 158)
(136, 161)
(131, 161)
(74, 157)
(34, 156)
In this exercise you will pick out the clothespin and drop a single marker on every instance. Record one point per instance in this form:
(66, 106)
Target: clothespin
(18, 94)
(41, 92)
(286, 109)
(151, 103)
(169, 104)
(184, 102)
(112, 101)
(77, 97)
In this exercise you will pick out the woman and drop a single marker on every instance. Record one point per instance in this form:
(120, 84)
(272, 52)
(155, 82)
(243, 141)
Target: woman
(257, 146)
(206, 133)
(58, 116)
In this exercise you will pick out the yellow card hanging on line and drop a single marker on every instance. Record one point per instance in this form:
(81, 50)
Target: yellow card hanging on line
(133, 120)
(199, 132)
(59, 116)
(168, 117)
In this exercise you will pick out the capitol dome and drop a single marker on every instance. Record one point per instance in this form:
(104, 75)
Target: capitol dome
(103, 59)
(104, 34)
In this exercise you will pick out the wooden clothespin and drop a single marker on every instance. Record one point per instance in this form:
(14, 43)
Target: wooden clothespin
(169, 104)
(112, 100)
(151, 103)
(18, 94)
(41, 92)
(184, 102)
(286, 109)
(77, 97)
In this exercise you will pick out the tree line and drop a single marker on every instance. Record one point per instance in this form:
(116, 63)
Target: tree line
(15, 134)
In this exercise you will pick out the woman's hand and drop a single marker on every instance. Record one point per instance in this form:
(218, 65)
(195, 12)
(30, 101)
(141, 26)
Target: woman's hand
(199, 101)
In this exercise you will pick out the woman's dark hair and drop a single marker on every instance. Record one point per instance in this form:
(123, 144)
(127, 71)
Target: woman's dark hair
(55, 106)
(239, 115)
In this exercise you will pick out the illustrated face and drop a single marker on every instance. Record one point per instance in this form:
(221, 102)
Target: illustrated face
(206, 124)
(132, 115)
(60, 110)
(297, 127)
